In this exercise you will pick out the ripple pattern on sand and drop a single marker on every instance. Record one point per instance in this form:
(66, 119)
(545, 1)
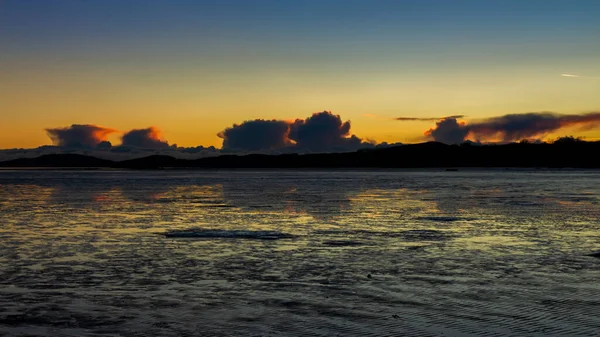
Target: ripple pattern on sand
(404, 253)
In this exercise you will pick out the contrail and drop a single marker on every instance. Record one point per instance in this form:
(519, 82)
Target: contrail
(577, 76)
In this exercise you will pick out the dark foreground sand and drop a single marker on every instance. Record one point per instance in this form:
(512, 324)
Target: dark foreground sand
(320, 254)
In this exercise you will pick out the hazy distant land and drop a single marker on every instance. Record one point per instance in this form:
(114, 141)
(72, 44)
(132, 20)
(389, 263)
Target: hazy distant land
(562, 154)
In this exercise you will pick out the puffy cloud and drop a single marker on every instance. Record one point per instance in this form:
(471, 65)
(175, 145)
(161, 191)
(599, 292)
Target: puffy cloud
(79, 135)
(148, 138)
(324, 131)
(257, 135)
(321, 132)
(91, 140)
(448, 131)
(512, 127)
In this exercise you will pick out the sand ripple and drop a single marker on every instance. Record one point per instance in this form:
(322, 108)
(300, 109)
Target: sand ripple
(484, 253)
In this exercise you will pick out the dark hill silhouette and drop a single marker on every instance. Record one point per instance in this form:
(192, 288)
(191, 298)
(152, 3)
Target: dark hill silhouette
(59, 160)
(575, 154)
(150, 162)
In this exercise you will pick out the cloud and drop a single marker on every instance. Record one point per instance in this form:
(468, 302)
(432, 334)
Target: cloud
(104, 145)
(324, 131)
(579, 76)
(448, 131)
(512, 127)
(79, 135)
(148, 138)
(91, 140)
(321, 132)
(256, 135)
(427, 119)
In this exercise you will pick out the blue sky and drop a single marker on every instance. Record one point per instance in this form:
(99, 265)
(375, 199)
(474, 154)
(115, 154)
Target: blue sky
(289, 58)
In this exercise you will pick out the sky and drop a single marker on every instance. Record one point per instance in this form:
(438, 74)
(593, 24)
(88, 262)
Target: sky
(193, 68)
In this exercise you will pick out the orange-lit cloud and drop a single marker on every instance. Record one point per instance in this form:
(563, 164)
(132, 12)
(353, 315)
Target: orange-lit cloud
(320, 132)
(149, 138)
(511, 127)
(79, 135)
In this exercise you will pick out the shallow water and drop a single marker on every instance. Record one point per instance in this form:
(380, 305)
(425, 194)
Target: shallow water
(284, 253)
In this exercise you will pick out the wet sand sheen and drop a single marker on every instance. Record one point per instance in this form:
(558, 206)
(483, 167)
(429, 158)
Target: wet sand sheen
(481, 253)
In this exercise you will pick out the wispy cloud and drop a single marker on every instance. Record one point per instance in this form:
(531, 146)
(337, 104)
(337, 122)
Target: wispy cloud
(412, 119)
(426, 119)
(579, 76)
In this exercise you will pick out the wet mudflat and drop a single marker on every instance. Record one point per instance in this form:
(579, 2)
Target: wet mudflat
(287, 253)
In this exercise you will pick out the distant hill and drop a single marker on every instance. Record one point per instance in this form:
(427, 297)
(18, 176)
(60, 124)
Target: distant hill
(59, 160)
(150, 162)
(575, 154)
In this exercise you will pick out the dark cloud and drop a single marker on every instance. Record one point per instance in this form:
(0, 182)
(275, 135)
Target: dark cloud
(428, 119)
(79, 135)
(256, 135)
(197, 149)
(148, 138)
(512, 127)
(91, 140)
(104, 145)
(529, 125)
(448, 131)
(321, 132)
(324, 131)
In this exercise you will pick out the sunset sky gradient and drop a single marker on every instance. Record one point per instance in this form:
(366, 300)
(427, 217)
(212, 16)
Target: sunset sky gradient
(192, 68)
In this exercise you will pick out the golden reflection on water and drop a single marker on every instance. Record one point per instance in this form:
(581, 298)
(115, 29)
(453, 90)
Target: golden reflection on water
(380, 203)
(16, 194)
(436, 246)
(490, 243)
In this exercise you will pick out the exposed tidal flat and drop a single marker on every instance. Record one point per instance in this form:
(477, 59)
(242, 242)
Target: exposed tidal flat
(300, 253)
